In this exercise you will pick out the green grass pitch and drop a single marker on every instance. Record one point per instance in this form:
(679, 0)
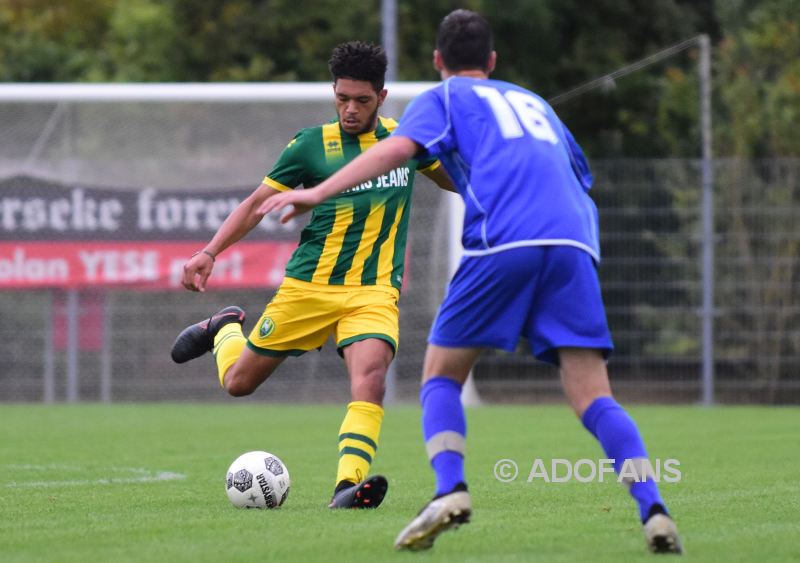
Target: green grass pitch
(92, 483)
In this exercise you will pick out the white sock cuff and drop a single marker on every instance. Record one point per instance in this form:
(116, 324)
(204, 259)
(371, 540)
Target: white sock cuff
(446, 441)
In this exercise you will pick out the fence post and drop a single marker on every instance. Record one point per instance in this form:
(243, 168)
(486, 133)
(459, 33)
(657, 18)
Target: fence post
(707, 213)
(73, 328)
(107, 349)
(49, 371)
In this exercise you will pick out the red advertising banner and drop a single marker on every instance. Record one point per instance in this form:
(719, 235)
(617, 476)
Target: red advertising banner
(60, 235)
(140, 265)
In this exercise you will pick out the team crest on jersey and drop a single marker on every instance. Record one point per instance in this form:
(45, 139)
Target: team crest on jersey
(266, 327)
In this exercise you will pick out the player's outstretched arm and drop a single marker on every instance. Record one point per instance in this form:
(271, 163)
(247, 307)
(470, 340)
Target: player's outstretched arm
(381, 158)
(240, 222)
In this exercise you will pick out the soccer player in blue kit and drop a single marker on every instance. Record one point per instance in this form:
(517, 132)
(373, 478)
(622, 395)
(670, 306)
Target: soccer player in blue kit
(529, 267)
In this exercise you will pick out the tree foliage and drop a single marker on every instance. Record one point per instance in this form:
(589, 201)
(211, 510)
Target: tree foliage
(547, 45)
(759, 77)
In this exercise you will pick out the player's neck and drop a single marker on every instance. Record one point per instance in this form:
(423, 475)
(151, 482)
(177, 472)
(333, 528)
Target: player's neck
(468, 73)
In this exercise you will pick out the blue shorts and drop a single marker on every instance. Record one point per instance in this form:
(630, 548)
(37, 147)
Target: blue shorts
(547, 294)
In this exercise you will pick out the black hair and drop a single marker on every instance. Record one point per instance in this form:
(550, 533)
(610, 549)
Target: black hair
(356, 60)
(465, 41)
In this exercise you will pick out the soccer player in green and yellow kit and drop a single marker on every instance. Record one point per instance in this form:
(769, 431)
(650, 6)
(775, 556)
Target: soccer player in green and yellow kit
(344, 278)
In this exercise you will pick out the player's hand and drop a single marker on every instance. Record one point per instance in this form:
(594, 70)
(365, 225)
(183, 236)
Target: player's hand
(196, 272)
(302, 201)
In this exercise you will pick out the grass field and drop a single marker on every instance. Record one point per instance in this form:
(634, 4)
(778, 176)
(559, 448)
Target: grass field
(146, 483)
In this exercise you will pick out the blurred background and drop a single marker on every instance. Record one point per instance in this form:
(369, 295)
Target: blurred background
(687, 110)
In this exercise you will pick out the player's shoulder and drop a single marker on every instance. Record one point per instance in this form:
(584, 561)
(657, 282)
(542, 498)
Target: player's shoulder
(388, 124)
(504, 86)
(424, 101)
(311, 131)
(457, 83)
(306, 137)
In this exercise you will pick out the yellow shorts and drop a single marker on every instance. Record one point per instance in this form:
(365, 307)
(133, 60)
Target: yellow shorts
(302, 316)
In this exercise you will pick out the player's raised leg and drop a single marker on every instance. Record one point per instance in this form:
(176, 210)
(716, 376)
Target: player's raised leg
(585, 380)
(367, 362)
(240, 370)
(445, 431)
(242, 375)
(197, 339)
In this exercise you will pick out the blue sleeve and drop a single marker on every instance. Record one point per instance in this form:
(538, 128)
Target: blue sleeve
(580, 166)
(427, 123)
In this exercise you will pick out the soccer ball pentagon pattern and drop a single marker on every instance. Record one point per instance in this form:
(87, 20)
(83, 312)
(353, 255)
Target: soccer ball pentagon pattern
(257, 480)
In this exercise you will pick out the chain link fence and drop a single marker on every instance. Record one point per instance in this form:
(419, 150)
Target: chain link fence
(112, 344)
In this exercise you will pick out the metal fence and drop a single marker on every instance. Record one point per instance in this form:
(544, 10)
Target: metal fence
(650, 215)
(113, 345)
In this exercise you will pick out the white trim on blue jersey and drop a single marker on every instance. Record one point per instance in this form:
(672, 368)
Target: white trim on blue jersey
(537, 242)
(441, 136)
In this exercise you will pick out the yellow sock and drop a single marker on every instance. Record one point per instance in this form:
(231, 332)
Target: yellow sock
(358, 440)
(228, 346)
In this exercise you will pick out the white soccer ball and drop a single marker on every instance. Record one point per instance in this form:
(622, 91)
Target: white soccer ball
(257, 480)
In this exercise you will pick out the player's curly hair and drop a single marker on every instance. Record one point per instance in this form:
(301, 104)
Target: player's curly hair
(356, 60)
(465, 41)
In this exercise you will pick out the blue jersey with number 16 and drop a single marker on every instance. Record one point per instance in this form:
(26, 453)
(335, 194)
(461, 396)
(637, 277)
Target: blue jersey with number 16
(523, 178)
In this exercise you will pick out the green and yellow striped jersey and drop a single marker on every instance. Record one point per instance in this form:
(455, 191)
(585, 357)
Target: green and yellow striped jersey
(359, 236)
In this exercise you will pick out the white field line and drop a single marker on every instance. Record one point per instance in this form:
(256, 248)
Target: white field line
(129, 475)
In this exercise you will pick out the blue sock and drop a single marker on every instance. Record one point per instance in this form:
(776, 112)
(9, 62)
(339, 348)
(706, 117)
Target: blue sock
(617, 433)
(445, 430)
